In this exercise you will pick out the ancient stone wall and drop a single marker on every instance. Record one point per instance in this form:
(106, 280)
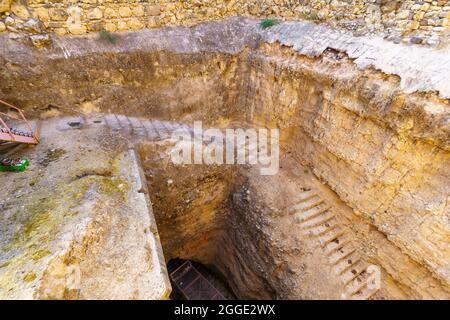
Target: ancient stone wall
(412, 21)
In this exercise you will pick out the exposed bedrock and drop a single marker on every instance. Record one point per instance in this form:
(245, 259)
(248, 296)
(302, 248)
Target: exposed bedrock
(383, 152)
(368, 142)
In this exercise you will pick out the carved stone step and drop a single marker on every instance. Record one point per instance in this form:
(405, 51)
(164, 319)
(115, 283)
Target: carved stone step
(357, 284)
(353, 272)
(345, 264)
(124, 123)
(332, 235)
(305, 205)
(364, 294)
(319, 220)
(137, 127)
(332, 246)
(113, 122)
(311, 213)
(152, 134)
(341, 254)
(324, 229)
(305, 195)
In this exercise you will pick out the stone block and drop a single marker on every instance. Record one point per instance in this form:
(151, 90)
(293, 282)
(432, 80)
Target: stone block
(419, 16)
(125, 12)
(77, 29)
(403, 15)
(9, 21)
(414, 25)
(33, 26)
(41, 13)
(110, 27)
(20, 10)
(122, 25)
(416, 40)
(425, 7)
(95, 26)
(95, 14)
(135, 24)
(60, 31)
(154, 10)
(153, 22)
(138, 11)
(5, 5)
(110, 13)
(41, 40)
(444, 14)
(58, 14)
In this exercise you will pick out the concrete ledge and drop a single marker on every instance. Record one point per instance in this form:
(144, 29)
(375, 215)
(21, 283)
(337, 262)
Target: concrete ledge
(140, 186)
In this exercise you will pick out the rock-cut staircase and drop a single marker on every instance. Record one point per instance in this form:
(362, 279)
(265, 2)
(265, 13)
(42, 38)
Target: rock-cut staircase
(317, 219)
(143, 128)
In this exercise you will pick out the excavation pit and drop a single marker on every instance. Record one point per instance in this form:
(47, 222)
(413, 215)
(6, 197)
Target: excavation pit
(361, 183)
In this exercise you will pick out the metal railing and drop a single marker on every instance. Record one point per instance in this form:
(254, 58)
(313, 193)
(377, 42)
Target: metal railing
(192, 285)
(22, 119)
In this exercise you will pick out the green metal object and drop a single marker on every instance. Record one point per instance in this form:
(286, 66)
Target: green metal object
(17, 165)
(267, 23)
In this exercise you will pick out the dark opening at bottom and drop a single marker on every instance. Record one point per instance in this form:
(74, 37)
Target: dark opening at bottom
(193, 281)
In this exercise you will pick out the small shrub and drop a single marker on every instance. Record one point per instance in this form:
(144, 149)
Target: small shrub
(108, 36)
(267, 23)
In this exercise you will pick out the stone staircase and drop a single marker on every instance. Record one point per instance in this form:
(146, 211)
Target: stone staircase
(140, 128)
(137, 128)
(316, 219)
(143, 128)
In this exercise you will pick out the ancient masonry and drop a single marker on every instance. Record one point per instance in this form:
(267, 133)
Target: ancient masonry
(418, 22)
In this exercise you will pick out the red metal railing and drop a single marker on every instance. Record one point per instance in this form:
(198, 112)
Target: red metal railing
(34, 139)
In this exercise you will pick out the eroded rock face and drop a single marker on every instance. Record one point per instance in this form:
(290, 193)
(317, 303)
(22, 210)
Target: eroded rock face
(191, 203)
(203, 216)
(395, 173)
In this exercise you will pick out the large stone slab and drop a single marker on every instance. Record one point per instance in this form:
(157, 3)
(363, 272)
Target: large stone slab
(83, 230)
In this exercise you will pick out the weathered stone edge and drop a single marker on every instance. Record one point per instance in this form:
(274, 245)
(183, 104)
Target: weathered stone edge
(143, 190)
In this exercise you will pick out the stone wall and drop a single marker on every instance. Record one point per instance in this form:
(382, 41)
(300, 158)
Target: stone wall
(412, 21)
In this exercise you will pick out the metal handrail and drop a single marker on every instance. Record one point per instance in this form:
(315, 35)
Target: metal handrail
(187, 264)
(7, 128)
(15, 118)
